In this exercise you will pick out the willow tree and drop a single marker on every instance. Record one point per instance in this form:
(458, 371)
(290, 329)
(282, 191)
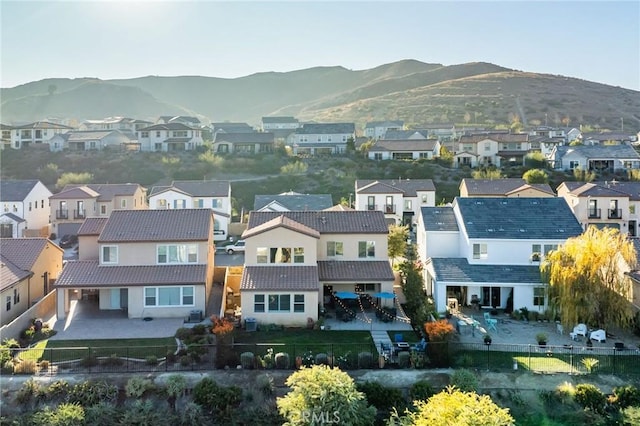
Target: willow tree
(586, 278)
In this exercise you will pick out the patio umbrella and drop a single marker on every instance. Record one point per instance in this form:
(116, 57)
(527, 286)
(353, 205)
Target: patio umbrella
(346, 295)
(384, 295)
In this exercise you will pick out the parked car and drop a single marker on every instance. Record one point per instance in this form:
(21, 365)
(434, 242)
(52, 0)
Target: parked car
(237, 247)
(68, 241)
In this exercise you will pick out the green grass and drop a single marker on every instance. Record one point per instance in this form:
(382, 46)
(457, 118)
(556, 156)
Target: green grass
(304, 337)
(407, 336)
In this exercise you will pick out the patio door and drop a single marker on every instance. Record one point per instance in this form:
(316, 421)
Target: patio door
(115, 298)
(491, 296)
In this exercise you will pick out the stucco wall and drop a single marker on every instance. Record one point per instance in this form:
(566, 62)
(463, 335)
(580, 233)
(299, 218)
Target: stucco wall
(44, 309)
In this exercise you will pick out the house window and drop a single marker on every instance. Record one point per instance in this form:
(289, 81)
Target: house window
(408, 205)
(103, 209)
(92, 145)
(359, 288)
(279, 302)
(179, 204)
(198, 203)
(144, 134)
(366, 249)
(177, 253)
(480, 251)
(29, 205)
(424, 199)
(161, 204)
(158, 146)
(487, 146)
(123, 204)
(109, 254)
(216, 203)
(8, 303)
(280, 255)
(536, 252)
(298, 303)
(298, 255)
(262, 255)
(16, 296)
(632, 209)
(371, 202)
(549, 247)
(334, 248)
(574, 165)
(377, 156)
(157, 133)
(258, 303)
(538, 296)
(42, 204)
(169, 296)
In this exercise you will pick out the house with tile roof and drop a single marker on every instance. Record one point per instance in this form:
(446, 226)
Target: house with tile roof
(279, 123)
(126, 125)
(91, 140)
(399, 199)
(321, 138)
(28, 266)
(149, 263)
(35, 134)
(197, 194)
(173, 136)
(491, 148)
(505, 187)
(76, 202)
(488, 250)
(406, 149)
(231, 127)
(399, 135)
(609, 204)
(25, 208)
(377, 129)
(243, 143)
(609, 138)
(295, 261)
(182, 119)
(292, 201)
(598, 158)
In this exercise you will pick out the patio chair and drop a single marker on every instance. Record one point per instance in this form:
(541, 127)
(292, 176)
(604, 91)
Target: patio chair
(491, 322)
(599, 335)
(578, 330)
(385, 349)
(421, 346)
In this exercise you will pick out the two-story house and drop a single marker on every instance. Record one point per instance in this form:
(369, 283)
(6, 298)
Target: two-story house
(243, 143)
(128, 126)
(377, 129)
(279, 123)
(321, 138)
(488, 250)
(400, 135)
(37, 133)
(506, 187)
(25, 208)
(196, 194)
(169, 137)
(90, 140)
(149, 263)
(76, 202)
(5, 141)
(231, 127)
(486, 149)
(407, 149)
(292, 201)
(182, 119)
(27, 267)
(598, 158)
(399, 199)
(295, 261)
(608, 138)
(599, 204)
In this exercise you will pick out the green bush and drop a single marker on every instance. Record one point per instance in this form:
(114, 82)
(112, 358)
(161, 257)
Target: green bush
(365, 360)
(28, 392)
(264, 382)
(404, 359)
(63, 415)
(112, 360)
(282, 361)
(137, 386)
(57, 390)
(103, 414)
(26, 366)
(420, 390)
(588, 396)
(143, 413)
(465, 380)
(247, 360)
(382, 397)
(192, 414)
(199, 330)
(631, 416)
(218, 400)
(90, 393)
(176, 385)
(183, 333)
(151, 360)
(322, 359)
(625, 396)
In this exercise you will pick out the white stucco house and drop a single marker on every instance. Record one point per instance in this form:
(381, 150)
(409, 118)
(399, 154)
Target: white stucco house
(598, 158)
(377, 129)
(90, 140)
(488, 250)
(35, 134)
(321, 138)
(25, 208)
(173, 136)
(407, 149)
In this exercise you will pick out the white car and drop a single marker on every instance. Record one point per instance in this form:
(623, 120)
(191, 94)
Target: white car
(237, 247)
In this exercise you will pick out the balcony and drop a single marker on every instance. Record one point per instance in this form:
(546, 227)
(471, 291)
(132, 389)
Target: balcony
(371, 207)
(594, 213)
(80, 214)
(389, 208)
(615, 213)
(62, 214)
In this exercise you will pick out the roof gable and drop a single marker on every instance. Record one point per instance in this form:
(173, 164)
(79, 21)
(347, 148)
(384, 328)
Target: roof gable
(281, 222)
(16, 190)
(409, 187)
(295, 201)
(329, 222)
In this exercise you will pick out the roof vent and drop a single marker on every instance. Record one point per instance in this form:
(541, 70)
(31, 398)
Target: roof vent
(522, 230)
(490, 230)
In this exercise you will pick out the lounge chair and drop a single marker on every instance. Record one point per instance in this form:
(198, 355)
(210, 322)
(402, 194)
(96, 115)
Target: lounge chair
(580, 330)
(599, 335)
(421, 346)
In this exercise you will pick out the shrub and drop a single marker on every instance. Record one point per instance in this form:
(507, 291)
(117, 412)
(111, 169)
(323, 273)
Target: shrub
(282, 361)
(89, 361)
(565, 392)
(112, 361)
(89, 393)
(185, 361)
(590, 364)
(192, 414)
(590, 397)
(217, 399)
(465, 361)
(196, 352)
(404, 359)
(439, 331)
(28, 391)
(8, 367)
(183, 333)
(151, 360)
(143, 412)
(199, 330)
(625, 396)
(26, 366)
(57, 390)
(63, 415)
(382, 397)
(247, 360)
(176, 385)
(44, 365)
(365, 360)
(171, 357)
(322, 359)
(631, 415)
(265, 384)
(103, 414)
(420, 390)
(465, 380)
(137, 386)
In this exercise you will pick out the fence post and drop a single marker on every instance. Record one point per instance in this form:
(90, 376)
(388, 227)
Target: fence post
(166, 358)
(529, 362)
(613, 361)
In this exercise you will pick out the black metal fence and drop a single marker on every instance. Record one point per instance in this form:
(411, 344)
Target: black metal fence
(479, 356)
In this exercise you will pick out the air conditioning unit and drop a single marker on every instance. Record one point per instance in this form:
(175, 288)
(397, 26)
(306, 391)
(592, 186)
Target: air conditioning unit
(195, 316)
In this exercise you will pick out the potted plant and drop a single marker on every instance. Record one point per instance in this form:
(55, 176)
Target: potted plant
(541, 338)
(487, 339)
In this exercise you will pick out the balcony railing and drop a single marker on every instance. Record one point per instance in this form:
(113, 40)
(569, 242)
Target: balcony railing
(389, 208)
(371, 207)
(615, 213)
(62, 214)
(80, 214)
(594, 213)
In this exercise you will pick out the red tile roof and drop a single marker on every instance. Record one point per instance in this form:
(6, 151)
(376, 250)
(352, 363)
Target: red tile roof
(359, 271)
(93, 226)
(281, 222)
(280, 278)
(329, 222)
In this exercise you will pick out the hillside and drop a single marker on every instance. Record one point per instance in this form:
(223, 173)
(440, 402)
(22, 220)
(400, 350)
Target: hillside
(415, 92)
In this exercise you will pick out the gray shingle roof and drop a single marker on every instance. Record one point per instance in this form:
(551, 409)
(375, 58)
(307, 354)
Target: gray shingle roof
(458, 270)
(388, 186)
(108, 191)
(295, 201)
(388, 123)
(404, 145)
(42, 125)
(168, 126)
(244, 137)
(232, 127)
(359, 271)
(279, 120)
(88, 273)
(196, 188)
(591, 189)
(77, 192)
(517, 218)
(92, 226)
(439, 219)
(402, 134)
(88, 135)
(158, 225)
(266, 278)
(498, 137)
(498, 187)
(281, 222)
(329, 222)
(16, 190)
(13, 217)
(11, 274)
(623, 152)
(326, 128)
(630, 188)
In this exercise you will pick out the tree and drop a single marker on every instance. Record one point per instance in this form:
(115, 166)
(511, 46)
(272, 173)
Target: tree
(453, 407)
(586, 278)
(582, 175)
(320, 395)
(366, 146)
(397, 245)
(446, 156)
(69, 178)
(486, 174)
(536, 176)
(418, 307)
(351, 145)
(535, 160)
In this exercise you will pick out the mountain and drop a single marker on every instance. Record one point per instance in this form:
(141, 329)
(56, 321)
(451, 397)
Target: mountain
(416, 92)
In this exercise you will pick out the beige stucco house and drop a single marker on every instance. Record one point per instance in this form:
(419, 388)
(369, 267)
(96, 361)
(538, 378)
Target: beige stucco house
(148, 263)
(27, 266)
(295, 261)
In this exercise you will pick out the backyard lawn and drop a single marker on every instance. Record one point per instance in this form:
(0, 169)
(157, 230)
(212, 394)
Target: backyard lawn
(304, 337)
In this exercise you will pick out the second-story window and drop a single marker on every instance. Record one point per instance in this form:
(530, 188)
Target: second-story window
(110, 254)
(161, 204)
(198, 203)
(366, 249)
(298, 255)
(177, 253)
(103, 209)
(632, 209)
(144, 134)
(123, 203)
(334, 248)
(480, 251)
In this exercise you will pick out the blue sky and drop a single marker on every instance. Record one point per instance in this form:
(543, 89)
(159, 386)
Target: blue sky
(596, 41)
